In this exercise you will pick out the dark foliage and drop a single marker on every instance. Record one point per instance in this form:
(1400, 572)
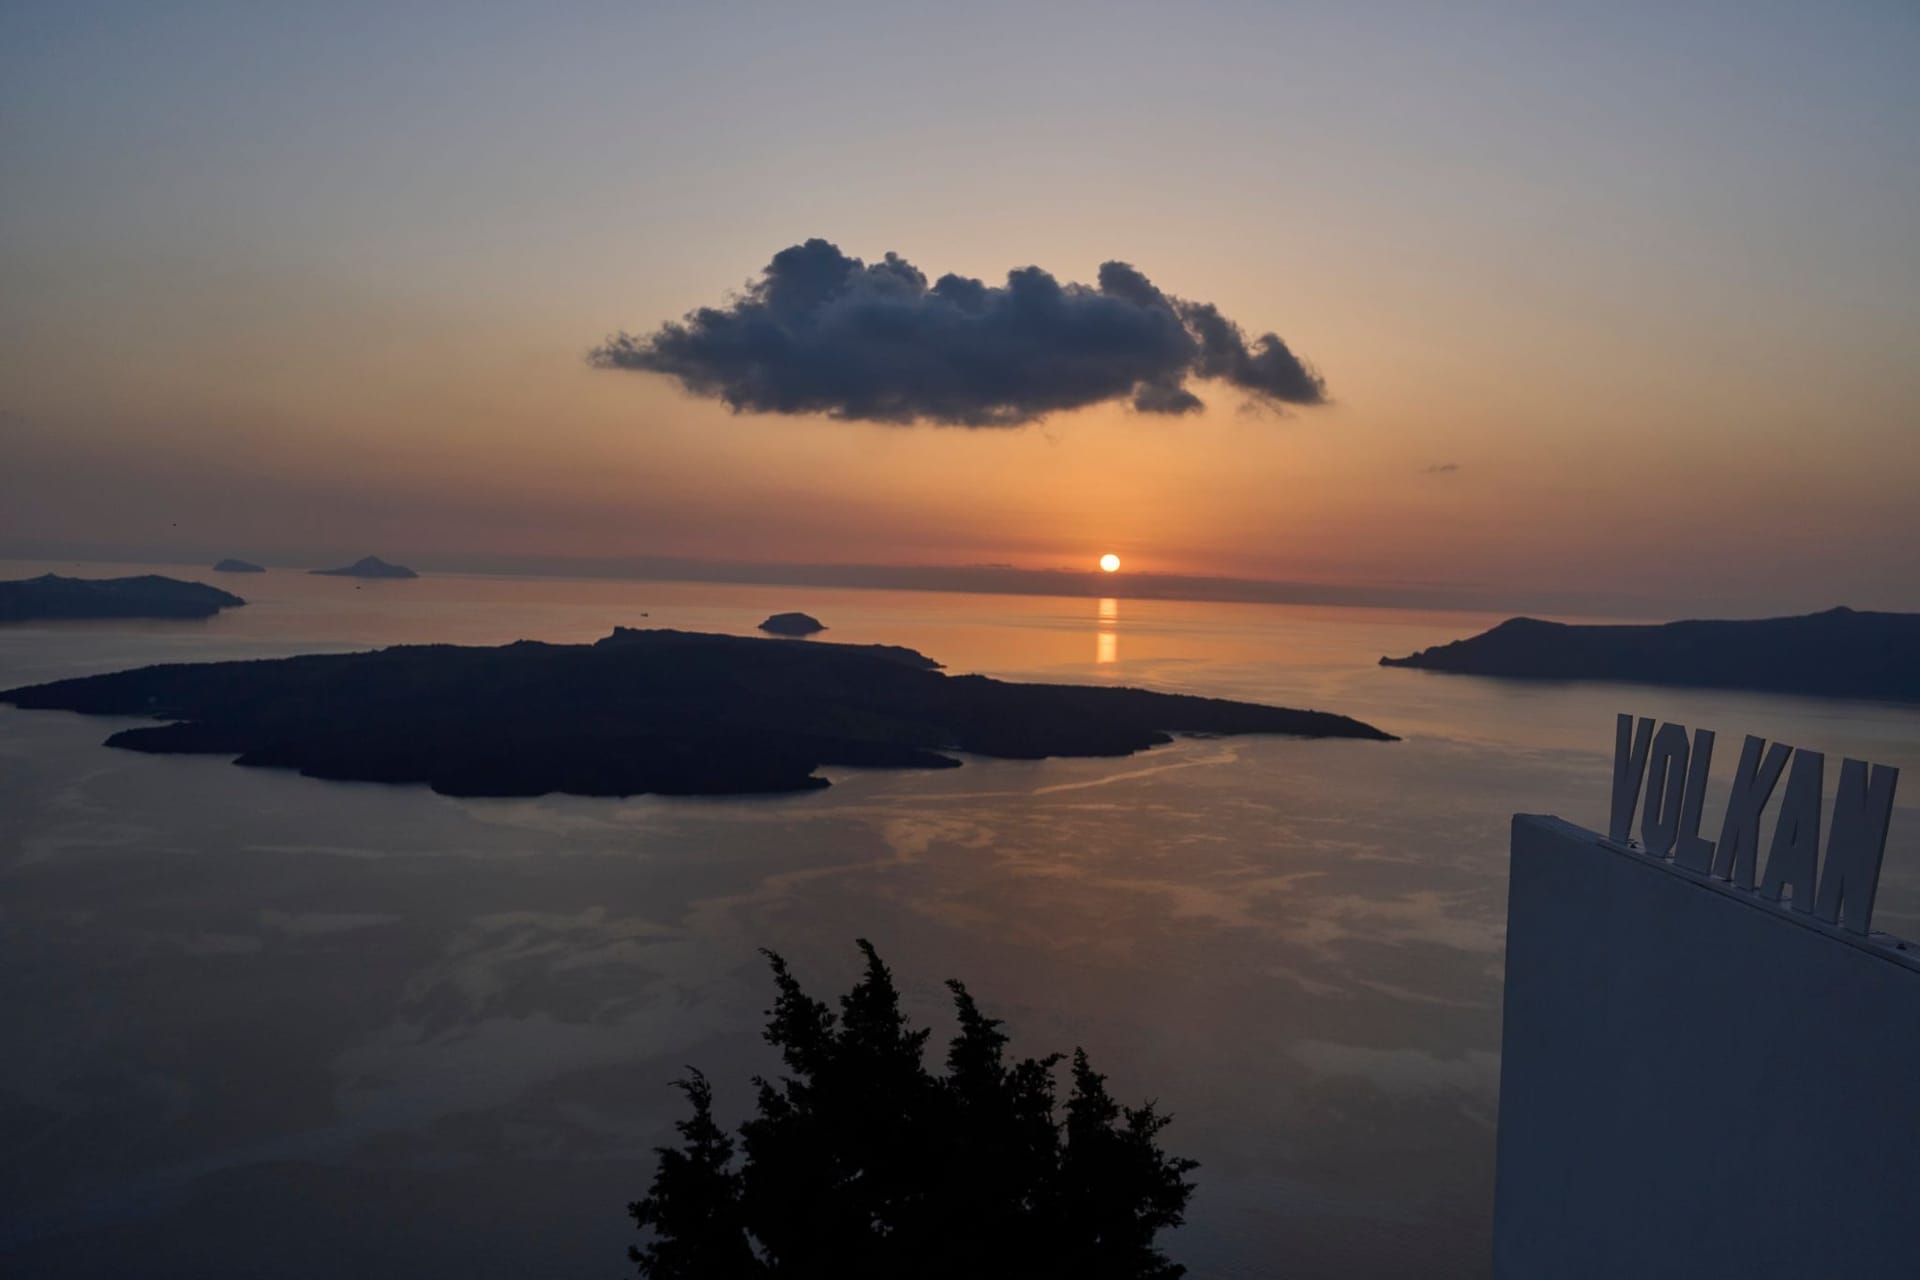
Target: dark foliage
(860, 1163)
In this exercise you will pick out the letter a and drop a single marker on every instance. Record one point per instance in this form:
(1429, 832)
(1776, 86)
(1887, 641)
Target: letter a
(1795, 853)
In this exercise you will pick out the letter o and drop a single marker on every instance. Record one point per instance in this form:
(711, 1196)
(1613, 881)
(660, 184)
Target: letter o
(1666, 788)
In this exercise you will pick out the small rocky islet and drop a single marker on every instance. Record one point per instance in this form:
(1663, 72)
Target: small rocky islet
(366, 567)
(793, 624)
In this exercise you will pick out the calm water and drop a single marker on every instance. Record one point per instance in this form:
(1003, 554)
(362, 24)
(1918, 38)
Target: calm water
(260, 1025)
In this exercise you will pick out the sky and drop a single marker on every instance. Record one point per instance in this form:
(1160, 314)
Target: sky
(1613, 305)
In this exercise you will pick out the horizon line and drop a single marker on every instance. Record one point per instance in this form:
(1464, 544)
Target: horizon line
(987, 579)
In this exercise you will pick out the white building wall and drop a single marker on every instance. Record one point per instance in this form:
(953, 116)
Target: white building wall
(1696, 1083)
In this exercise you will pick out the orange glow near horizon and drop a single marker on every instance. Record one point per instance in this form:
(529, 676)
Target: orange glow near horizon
(1587, 427)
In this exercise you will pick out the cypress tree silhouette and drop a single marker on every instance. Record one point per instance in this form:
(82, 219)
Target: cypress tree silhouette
(694, 1209)
(861, 1164)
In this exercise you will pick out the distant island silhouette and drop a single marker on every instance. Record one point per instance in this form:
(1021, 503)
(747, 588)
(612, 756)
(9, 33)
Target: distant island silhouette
(231, 565)
(793, 624)
(367, 567)
(667, 712)
(1841, 653)
(146, 596)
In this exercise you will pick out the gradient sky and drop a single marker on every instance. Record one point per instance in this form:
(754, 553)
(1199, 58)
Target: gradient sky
(1612, 298)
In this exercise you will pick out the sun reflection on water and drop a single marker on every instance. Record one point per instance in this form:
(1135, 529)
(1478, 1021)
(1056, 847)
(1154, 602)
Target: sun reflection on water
(1106, 646)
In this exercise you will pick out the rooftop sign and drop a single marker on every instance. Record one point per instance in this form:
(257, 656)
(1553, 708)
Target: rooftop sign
(1672, 769)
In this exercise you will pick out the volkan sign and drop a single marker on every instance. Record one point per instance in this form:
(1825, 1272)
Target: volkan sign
(1672, 768)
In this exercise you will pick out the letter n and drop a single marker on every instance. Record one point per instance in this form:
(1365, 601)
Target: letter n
(1855, 842)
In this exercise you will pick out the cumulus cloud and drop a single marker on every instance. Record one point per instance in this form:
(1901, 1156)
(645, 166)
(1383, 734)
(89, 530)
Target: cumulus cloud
(823, 332)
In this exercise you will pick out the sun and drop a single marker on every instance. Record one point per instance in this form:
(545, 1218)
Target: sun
(1110, 562)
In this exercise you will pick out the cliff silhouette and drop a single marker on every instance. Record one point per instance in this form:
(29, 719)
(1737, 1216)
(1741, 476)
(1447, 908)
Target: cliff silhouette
(1841, 653)
(147, 596)
(667, 712)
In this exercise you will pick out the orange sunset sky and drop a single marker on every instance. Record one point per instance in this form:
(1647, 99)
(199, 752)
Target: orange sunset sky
(1600, 308)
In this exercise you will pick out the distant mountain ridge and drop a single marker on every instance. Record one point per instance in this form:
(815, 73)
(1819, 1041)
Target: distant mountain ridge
(147, 596)
(1841, 653)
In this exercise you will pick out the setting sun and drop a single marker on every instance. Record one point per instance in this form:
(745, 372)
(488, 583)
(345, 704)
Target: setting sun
(1110, 562)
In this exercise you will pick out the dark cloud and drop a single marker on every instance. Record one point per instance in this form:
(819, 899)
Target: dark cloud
(822, 332)
(1440, 469)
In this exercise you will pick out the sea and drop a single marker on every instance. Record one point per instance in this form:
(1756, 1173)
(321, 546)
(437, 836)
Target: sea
(261, 1025)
